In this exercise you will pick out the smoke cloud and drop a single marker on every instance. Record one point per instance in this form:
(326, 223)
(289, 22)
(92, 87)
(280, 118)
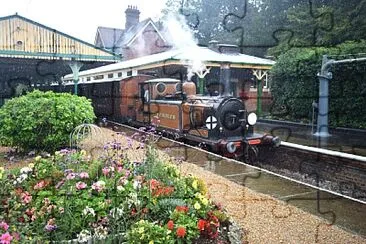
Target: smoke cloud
(181, 37)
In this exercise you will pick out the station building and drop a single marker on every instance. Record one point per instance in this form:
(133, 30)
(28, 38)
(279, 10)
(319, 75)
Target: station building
(32, 54)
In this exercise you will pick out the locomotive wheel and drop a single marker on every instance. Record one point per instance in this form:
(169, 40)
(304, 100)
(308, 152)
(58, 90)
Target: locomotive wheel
(253, 153)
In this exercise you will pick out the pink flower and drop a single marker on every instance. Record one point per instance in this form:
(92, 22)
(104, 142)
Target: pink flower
(40, 185)
(59, 184)
(70, 176)
(106, 171)
(80, 185)
(98, 186)
(26, 197)
(84, 175)
(6, 238)
(50, 225)
(4, 225)
(16, 236)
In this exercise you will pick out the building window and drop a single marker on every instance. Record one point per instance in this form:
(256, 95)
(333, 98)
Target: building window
(129, 73)
(119, 74)
(87, 78)
(110, 76)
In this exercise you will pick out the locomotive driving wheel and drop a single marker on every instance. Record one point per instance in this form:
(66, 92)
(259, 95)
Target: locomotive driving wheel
(253, 153)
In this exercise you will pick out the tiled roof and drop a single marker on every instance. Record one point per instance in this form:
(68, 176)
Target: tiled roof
(114, 39)
(110, 38)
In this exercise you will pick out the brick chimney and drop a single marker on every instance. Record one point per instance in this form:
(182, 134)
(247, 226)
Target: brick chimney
(132, 16)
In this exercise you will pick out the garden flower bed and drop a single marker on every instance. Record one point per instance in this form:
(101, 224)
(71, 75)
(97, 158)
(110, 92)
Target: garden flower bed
(70, 196)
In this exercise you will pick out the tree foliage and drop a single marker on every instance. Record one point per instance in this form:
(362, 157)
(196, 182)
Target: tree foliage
(42, 120)
(279, 25)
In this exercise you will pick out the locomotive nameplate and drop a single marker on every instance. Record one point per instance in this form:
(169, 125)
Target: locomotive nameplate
(166, 116)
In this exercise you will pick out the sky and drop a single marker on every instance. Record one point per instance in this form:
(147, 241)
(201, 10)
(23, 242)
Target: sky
(80, 18)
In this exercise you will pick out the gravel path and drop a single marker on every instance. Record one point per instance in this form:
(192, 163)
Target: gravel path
(265, 219)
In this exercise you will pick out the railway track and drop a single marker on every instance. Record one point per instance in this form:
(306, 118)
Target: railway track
(277, 176)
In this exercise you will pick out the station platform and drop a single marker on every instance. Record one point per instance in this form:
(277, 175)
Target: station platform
(347, 140)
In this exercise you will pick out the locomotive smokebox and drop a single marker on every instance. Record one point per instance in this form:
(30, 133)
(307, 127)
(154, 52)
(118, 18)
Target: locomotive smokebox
(225, 79)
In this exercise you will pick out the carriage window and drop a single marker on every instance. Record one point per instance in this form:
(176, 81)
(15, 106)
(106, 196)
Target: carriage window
(129, 73)
(110, 75)
(98, 77)
(119, 74)
(87, 78)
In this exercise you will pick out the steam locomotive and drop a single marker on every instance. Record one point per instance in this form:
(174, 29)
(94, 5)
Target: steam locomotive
(219, 122)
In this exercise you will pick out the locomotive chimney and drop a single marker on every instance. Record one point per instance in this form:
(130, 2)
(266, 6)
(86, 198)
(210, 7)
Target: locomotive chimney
(132, 16)
(225, 79)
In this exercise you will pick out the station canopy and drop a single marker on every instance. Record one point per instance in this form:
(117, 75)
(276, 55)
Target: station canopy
(186, 57)
(31, 53)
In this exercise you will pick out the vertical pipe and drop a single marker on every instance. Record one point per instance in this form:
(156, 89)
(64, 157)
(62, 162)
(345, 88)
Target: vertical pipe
(259, 97)
(201, 85)
(323, 107)
(225, 79)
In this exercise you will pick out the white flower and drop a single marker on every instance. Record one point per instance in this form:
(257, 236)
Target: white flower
(25, 170)
(22, 177)
(88, 211)
(100, 232)
(116, 212)
(84, 236)
(136, 184)
(120, 188)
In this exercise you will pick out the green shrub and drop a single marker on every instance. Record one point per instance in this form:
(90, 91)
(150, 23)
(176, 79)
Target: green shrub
(42, 120)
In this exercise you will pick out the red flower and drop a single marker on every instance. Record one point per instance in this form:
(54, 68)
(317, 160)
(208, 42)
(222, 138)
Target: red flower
(154, 184)
(181, 231)
(182, 209)
(133, 211)
(201, 224)
(170, 225)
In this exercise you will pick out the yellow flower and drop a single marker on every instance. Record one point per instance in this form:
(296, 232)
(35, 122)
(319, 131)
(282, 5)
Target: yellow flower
(141, 230)
(37, 158)
(31, 165)
(197, 206)
(83, 152)
(2, 170)
(151, 242)
(204, 201)
(195, 184)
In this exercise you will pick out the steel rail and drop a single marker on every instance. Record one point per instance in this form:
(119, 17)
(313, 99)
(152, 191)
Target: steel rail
(324, 151)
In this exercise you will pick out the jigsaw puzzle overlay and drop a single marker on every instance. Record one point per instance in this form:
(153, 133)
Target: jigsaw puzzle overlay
(235, 23)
